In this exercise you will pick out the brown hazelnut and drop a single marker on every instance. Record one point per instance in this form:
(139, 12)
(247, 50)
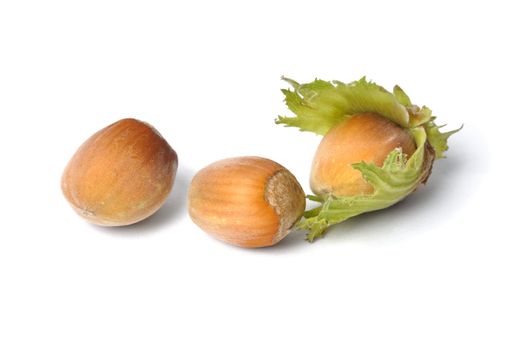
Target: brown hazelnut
(365, 137)
(246, 201)
(120, 175)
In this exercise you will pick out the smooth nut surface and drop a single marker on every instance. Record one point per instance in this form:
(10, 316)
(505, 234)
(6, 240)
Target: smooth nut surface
(246, 201)
(363, 137)
(120, 175)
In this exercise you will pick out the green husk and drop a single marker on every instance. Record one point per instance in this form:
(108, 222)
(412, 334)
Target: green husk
(320, 105)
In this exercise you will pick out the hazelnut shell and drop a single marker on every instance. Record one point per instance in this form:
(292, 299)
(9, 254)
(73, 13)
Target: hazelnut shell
(120, 175)
(247, 201)
(364, 137)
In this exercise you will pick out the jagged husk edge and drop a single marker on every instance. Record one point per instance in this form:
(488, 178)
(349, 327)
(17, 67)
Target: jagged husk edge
(320, 105)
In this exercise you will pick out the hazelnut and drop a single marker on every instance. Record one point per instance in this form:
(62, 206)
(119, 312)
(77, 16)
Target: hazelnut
(120, 175)
(247, 201)
(365, 137)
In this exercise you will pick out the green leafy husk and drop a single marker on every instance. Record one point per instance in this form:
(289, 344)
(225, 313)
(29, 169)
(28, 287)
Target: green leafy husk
(320, 105)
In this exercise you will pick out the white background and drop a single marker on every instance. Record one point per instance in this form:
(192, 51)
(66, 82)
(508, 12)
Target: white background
(445, 269)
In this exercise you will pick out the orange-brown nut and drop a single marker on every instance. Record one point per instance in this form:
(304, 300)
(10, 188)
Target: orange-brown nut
(247, 201)
(120, 175)
(362, 137)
